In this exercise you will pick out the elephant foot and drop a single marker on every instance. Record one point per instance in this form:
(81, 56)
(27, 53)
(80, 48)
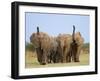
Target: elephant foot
(64, 61)
(42, 63)
(77, 61)
(68, 61)
(49, 62)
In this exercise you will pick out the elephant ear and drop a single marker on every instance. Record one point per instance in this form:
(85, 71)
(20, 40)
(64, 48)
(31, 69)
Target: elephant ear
(34, 40)
(79, 39)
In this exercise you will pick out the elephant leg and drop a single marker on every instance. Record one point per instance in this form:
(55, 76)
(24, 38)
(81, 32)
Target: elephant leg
(64, 59)
(49, 58)
(73, 55)
(64, 54)
(56, 57)
(39, 54)
(75, 52)
(53, 57)
(78, 54)
(44, 57)
(69, 56)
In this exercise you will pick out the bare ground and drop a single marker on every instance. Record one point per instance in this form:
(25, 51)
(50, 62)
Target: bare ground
(31, 61)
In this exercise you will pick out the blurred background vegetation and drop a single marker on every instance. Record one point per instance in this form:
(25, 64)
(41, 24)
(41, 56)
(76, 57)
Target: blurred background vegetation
(30, 47)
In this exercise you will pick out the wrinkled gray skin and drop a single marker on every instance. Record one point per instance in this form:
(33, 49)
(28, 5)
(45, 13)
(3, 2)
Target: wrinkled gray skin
(77, 47)
(69, 47)
(60, 49)
(53, 51)
(41, 42)
(64, 43)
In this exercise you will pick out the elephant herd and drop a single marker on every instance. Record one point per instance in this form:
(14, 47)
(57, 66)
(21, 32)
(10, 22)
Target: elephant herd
(61, 49)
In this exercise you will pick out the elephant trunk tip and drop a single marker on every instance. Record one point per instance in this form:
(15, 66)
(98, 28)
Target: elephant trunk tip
(37, 30)
(73, 35)
(73, 27)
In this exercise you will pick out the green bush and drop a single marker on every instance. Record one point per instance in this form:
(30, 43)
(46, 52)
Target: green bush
(29, 47)
(86, 48)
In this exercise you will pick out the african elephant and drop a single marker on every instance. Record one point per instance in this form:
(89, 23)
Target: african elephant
(41, 42)
(54, 56)
(69, 46)
(64, 45)
(76, 46)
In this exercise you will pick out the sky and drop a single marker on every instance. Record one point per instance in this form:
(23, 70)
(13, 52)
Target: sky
(54, 24)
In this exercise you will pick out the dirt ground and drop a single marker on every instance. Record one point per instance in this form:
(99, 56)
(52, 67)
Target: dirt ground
(31, 61)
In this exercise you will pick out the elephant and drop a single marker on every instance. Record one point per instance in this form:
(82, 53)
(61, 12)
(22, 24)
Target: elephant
(45, 45)
(76, 46)
(63, 48)
(42, 44)
(54, 55)
(64, 45)
(69, 46)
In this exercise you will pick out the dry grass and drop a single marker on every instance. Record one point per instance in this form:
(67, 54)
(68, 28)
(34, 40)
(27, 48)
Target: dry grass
(31, 61)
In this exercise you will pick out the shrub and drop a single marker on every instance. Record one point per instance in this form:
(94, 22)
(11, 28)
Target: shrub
(29, 47)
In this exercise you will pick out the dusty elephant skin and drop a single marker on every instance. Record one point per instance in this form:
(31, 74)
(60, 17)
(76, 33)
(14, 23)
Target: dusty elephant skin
(61, 49)
(43, 44)
(69, 47)
(64, 42)
(76, 46)
(53, 50)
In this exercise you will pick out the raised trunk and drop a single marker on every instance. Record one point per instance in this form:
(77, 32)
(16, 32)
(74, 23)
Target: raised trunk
(73, 35)
(37, 30)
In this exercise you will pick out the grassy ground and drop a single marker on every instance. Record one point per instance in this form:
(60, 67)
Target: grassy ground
(31, 61)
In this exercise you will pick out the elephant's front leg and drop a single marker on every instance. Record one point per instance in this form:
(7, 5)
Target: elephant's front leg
(68, 57)
(39, 54)
(78, 54)
(49, 58)
(65, 52)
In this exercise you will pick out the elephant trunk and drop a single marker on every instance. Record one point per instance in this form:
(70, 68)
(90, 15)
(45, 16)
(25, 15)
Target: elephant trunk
(38, 30)
(44, 57)
(73, 35)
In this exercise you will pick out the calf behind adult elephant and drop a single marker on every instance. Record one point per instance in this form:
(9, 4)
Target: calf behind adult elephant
(54, 56)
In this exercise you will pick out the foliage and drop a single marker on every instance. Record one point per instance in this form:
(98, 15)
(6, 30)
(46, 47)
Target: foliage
(86, 48)
(86, 45)
(29, 47)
